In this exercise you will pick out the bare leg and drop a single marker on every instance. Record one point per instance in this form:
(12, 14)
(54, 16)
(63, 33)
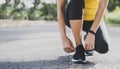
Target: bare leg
(76, 26)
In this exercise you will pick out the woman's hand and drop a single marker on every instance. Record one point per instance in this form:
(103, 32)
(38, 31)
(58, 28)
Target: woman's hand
(90, 42)
(67, 45)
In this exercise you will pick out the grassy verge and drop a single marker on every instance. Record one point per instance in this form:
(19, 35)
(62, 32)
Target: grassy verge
(113, 18)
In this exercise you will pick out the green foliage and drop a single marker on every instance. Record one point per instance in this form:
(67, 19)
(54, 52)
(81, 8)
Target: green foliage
(49, 11)
(5, 10)
(8, 3)
(2, 8)
(33, 12)
(113, 4)
(36, 3)
(18, 10)
(113, 17)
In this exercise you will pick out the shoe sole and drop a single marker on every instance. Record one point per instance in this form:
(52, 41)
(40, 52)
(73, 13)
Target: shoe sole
(88, 54)
(80, 61)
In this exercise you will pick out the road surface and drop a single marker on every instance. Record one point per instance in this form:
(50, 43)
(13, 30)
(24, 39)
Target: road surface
(39, 47)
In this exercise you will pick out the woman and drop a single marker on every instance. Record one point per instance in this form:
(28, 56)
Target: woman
(74, 13)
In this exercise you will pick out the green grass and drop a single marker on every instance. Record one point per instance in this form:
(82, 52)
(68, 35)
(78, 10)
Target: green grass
(113, 18)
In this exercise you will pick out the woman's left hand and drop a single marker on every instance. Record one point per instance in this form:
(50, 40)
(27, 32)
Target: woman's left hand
(90, 42)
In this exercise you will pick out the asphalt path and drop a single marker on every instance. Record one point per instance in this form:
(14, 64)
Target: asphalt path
(40, 47)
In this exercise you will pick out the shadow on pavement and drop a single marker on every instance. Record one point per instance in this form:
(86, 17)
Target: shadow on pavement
(62, 62)
(87, 65)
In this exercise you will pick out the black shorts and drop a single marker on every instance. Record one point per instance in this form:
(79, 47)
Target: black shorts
(74, 9)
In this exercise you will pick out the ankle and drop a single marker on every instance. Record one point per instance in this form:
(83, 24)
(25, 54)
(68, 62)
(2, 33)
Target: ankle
(78, 44)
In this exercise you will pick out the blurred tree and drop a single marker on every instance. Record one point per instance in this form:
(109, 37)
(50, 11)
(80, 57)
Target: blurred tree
(16, 13)
(112, 4)
(5, 9)
(2, 11)
(18, 8)
(8, 2)
(33, 11)
(48, 11)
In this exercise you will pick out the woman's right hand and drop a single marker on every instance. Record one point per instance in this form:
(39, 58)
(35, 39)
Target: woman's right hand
(67, 45)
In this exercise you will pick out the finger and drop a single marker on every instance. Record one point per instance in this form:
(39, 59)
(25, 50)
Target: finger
(68, 50)
(91, 46)
(72, 49)
(86, 46)
(65, 49)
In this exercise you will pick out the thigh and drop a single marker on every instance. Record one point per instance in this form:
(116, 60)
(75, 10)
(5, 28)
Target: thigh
(74, 11)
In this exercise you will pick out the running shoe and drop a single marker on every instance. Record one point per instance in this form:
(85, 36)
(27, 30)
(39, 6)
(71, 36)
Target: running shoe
(89, 53)
(79, 56)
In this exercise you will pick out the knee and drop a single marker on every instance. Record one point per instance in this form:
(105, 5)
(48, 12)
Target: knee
(102, 48)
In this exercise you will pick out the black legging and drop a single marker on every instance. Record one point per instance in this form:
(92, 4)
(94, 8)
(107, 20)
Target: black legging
(74, 9)
(101, 41)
